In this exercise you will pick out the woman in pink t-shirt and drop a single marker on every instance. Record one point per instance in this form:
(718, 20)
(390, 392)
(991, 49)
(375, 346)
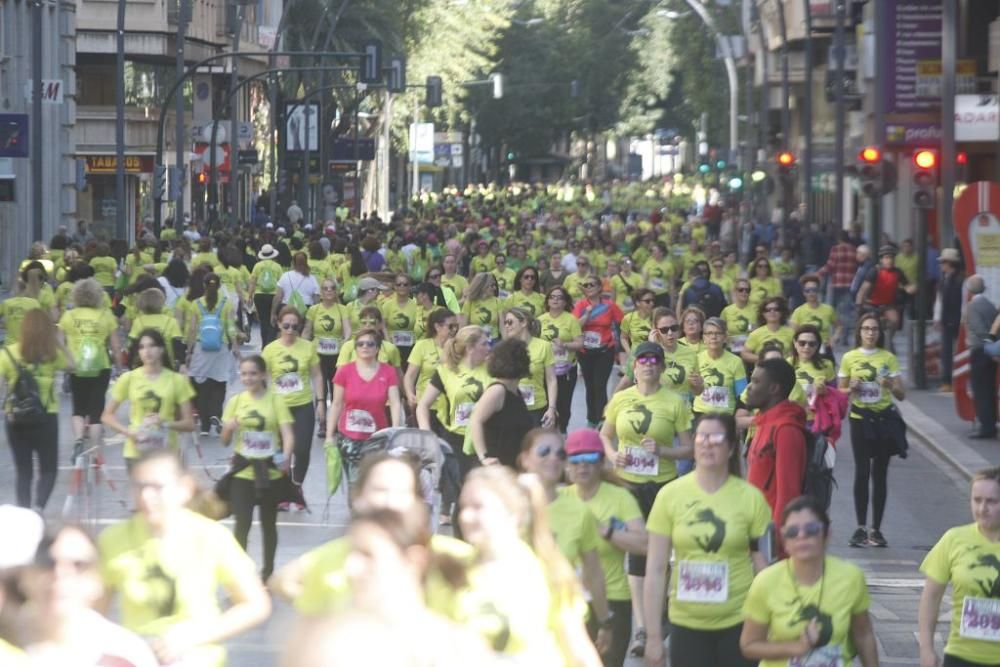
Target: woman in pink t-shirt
(361, 391)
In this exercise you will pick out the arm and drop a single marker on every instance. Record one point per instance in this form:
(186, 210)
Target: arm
(320, 388)
(116, 349)
(748, 355)
(251, 287)
(552, 387)
(758, 561)
(424, 406)
(395, 406)
(410, 384)
(927, 615)
(307, 331)
(345, 324)
(336, 406)
(863, 293)
(864, 639)
(654, 588)
(608, 437)
(186, 423)
(287, 445)
(577, 343)
(896, 386)
(593, 582)
(489, 404)
(109, 419)
(286, 583)
(634, 539)
(685, 450)
(279, 296)
(755, 645)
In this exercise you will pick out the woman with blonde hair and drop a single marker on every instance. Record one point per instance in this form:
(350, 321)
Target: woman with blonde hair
(482, 305)
(39, 355)
(540, 621)
(150, 304)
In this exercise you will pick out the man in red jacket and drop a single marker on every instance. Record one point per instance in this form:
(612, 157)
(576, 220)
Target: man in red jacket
(776, 460)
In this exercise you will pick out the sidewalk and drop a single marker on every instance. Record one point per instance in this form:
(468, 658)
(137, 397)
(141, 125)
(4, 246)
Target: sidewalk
(931, 419)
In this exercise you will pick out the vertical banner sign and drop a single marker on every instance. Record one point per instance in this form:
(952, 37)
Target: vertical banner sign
(977, 225)
(912, 42)
(422, 143)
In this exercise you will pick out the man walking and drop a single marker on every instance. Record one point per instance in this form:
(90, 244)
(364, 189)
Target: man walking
(979, 315)
(948, 310)
(841, 266)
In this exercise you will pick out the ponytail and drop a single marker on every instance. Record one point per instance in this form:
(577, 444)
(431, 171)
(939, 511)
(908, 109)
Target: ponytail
(211, 290)
(456, 348)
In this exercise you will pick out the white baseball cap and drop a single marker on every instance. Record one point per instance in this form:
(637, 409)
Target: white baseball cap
(22, 530)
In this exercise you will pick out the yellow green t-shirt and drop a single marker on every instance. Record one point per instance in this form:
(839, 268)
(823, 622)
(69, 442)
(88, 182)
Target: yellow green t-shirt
(426, 356)
(565, 328)
(908, 265)
(610, 501)
(660, 416)
(968, 561)
(387, 354)
(808, 376)
(784, 335)
(532, 387)
(869, 367)
(723, 378)
(533, 301)
(622, 286)
(658, 275)
(636, 327)
(164, 583)
(327, 327)
(822, 317)
(209, 258)
(679, 365)
(266, 274)
(400, 321)
(290, 367)
(484, 313)
(457, 283)
(462, 388)
(481, 264)
(47, 297)
(164, 323)
(44, 374)
(710, 534)
(260, 427)
(573, 527)
(12, 311)
(761, 289)
(786, 608)
(571, 282)
(87, 331)
(739, 323)
(151, 396)
(104, 270)
(505, 280)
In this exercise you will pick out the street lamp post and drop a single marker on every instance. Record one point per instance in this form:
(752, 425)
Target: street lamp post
(183, 7)
(37, 200)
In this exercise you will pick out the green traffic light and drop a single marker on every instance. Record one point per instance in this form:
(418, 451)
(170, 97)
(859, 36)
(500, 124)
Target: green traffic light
(721, 164)
(735, 183)
(511, 156)
(758, 176)
(704, 168)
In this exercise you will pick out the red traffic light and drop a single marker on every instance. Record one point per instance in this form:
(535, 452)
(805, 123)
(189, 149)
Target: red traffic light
(962, 158)
(925, 158)
(785, 158)
(202, 178)
(870, 154)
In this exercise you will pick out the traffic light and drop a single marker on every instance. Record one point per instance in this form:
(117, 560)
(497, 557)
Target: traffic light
(159, 183)
(720, 165)
(961, 167)
(870, 171)
(925, 165)
(201, 178)
(433, 92)
(704, 168)
(371, 62)
(786, 165)
(397, 75)
(735, 183)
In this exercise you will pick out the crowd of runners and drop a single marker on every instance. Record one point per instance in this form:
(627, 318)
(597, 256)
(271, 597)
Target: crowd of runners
(718, 361)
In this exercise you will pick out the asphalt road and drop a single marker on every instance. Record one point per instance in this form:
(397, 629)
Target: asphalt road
(925, 499)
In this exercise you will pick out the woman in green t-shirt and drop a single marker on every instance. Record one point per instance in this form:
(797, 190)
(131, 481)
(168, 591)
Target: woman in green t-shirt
(968, 558)
(539, 389)
(811, 608)
(563, 331)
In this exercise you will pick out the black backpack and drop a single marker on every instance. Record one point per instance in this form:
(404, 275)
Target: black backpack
(24, 402)
(708, 299)
(818, 481)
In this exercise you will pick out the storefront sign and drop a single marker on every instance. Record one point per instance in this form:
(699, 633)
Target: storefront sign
(977, 118)
(108, 164)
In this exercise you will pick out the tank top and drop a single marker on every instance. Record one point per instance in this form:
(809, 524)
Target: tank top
(506, 428)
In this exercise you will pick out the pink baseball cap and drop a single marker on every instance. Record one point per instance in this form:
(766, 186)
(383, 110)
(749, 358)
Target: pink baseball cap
(584, 441)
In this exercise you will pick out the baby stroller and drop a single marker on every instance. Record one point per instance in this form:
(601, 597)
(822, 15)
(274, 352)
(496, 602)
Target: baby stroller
(429, 449)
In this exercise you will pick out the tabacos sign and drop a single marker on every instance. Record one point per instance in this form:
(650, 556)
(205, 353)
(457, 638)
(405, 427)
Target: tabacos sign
(108, 164)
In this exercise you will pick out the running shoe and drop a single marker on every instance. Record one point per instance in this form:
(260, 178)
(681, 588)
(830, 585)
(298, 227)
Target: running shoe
(859, 538)
(637, 648)
(284, 507)
(876, 539)
(216, 425)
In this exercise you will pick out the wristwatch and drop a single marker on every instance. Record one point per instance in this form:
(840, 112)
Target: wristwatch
(609, 621)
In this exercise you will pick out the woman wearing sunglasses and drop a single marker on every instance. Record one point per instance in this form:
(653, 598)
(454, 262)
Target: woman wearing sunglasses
(712, 521)
(619, 524)
(440, 295)
(482, 305)
(539, 389)
(562, 330)
(597, 316)
(369, 290)
(400, 314)
(773, 313)
(960, 555)
(811, 608)
(371, 318)
(583, 272)
(680, 362)
(636, 325)
(741, 316)
(720, 377)
(361, 391)
(814, 312)
(815, 373)
(574, 525)
(328, 325)
(527, 292)
(763, 283)
(639, 428)
(297, 379)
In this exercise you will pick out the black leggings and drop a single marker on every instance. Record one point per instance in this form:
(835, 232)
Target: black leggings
(645, 495)
(564, 400)
(243, 495)
(304, 427)
(707, 648)
(621, 631)
(328, 366)
(952, 661)
(871, 461)
(596, 367)
(208, 399)
(263, 303)
(41, 438)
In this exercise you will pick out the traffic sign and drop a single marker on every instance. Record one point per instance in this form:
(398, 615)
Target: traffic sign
(248, 157)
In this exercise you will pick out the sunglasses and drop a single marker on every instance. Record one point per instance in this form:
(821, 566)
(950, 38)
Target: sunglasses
(743, 290)
(645, 301)
(588, 285)
(710, 438)
(511, 322)
(545, 450)
(807, 343)
(402, 284)
(288, 326)
(809, 290)
(585, 457)
(772, 309)
(365, 343)
(647, 360)
(529, 276)
(670, 328)
(811, 529)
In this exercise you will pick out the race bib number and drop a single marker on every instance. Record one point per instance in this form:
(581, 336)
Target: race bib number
(258, 444)
(736, 343)
(561, 355)
(981, 619)
(360, 421)
(822, 656)
(402, 338)
(591, 340)
(150, 438)
(327, 346)
(462, 413)
(289, 383)
(638, 461)
(657, 284)
(528, 394)
(703, 582)
(869, 392)
(503, 294)
(716, 397)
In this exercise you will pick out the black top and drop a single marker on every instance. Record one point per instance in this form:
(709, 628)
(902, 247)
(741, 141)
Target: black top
(506, 428)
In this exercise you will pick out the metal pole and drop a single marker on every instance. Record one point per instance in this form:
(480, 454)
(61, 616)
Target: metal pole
(383, 204)
(357, 158)
(730, 63)
(879, 108)
(273, 105)
(180, 139)
(415, 185)
(949, 52)
(807, 113)
(840, 113)
(920, 344)
(37, 150)
(786, 114)
(234, 107)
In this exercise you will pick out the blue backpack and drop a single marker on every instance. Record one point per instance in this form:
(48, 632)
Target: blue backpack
(210, 332)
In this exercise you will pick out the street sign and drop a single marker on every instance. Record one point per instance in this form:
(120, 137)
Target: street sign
(248, 157)
(343, 149)
(301, 126)
(422, 142)
(456, 149)
(201, 130)
(14, 135)
(108, 164)
(52, 90)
